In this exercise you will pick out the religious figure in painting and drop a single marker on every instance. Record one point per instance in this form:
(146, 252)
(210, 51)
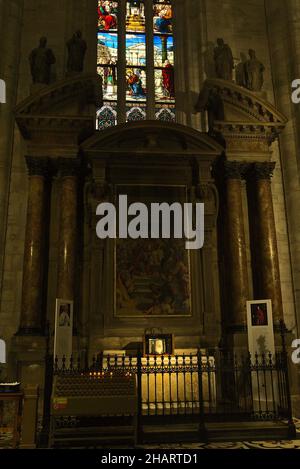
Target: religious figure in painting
(40, 61)
(168, 79)
(107, 14)
(76, 53)
(223, 60)
(254, 70)
(152, 278)
(135, 84)
(163, 22)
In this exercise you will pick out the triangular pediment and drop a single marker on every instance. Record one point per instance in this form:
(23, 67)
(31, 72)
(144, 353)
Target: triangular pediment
(244, 106)
(67, 105)
(151, 137)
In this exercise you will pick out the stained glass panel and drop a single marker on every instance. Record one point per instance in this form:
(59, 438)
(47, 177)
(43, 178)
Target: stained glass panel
(163, 50)
(163, 16)
(165, 113)
(136, 112)
(136, 84)
(106, 116)
(109, 80)
(164, 84)
(135, 16)
(107, 15)
(136, 49)
(107, 48)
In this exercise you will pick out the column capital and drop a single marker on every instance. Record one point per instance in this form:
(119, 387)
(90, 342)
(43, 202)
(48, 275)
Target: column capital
(235, 169)
(263, 170)
(68, 167)
(37, 166)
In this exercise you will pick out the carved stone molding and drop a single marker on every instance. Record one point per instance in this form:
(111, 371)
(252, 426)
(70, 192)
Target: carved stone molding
(68, 167)
(247, 116)
(235, 169)
(262, 170)
(37, 166)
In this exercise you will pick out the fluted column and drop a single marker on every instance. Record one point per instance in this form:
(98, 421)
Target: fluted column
(269, 286)
(236, 242)
(68, 171)
(34, 253)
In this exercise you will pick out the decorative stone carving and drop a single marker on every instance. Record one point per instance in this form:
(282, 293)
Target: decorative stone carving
(235, 169)
(263, 170)
(223, 60)
(40, 61)
(68, 167)
(76, 53)
(254, 71)
(37, 166)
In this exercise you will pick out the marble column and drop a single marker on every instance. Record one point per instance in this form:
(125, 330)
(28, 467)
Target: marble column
(269, 286)
(68, 171)
(236, 247)
(31, 320)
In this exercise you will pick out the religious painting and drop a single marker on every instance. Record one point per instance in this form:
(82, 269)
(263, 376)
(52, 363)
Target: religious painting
(259, 314)
(165, 84)
(63, 328)
(158, 344)
(109, 82)
(136, 82)
(107, 15)
(162, 17)
(152, 276)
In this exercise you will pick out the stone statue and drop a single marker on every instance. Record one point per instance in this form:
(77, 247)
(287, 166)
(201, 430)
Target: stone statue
(210, 101)
(40, 61)
(240, 71)
(223, 60)
(76, 53)
(254, 70)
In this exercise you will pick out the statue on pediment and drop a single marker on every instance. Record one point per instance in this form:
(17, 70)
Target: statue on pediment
(40, 60)
(76, 53)
(240, 71)
(224, 62)
(254, 70)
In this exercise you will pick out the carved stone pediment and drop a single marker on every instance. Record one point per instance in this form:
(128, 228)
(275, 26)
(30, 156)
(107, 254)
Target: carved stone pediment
(61, 113)
(150, 138)
(246, 115)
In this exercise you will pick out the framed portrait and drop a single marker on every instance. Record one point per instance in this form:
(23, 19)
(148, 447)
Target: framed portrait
(259, 314)
(158, 344)
(260, 327)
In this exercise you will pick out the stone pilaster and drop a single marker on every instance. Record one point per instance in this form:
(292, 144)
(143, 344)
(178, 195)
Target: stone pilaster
(31, 320)
(262, 217)
(236, 244)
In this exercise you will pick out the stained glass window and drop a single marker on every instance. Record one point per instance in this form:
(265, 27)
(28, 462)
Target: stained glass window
(135, 58)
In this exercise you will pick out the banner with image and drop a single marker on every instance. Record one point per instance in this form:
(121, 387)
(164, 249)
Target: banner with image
(63, 329)
(261, 344)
